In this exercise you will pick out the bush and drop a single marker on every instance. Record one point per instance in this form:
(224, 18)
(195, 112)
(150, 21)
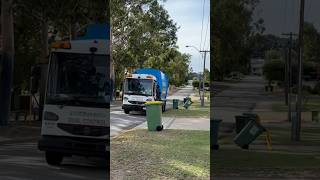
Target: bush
(307, 89)
(195, 84)
(316, 89)
(274, 70)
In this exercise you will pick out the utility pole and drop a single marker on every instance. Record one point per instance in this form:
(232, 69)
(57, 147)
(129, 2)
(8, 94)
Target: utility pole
(297, 124)
(289, 74)
(203, 76)
(7, 60)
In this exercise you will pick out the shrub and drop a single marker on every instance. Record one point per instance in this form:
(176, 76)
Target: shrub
(195, 84)
(316, 89)
(274, 70)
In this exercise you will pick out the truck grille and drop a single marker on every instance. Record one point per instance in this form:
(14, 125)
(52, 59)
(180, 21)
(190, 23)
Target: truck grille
(136, 102)
(84, 130)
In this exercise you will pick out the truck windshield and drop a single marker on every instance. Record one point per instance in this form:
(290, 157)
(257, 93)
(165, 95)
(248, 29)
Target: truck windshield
(138, 87)
(78, 79)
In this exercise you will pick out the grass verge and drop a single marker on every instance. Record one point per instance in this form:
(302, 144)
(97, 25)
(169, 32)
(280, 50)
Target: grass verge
(265, 164)
(169, 154)
(287, 159)
(310, 136)
(310, 106)
(195, 110)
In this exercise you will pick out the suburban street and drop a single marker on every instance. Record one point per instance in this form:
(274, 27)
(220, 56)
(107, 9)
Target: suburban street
(121, 121)
(23, 161)
(239, 97)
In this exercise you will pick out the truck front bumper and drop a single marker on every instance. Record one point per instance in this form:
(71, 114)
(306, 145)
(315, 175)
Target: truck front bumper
(74, 146)
(133, 107)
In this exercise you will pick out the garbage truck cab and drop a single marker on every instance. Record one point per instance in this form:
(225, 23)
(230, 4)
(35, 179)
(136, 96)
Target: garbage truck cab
(76, 111)
(144, 85)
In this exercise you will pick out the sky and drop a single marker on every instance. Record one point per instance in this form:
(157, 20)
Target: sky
(282, 16)
(188, 16)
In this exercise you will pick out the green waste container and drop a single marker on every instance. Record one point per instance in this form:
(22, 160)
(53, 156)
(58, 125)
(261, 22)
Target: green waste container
(214, 132)
(252, 116)
(175, 103)
(154, 115)
(241, 122)
(248, 134)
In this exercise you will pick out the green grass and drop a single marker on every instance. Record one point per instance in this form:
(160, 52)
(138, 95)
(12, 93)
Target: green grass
(283, 161)
(206, 93)
(195, 110)
(310, 106)
(169, 154)
(310, 136)
(261, 164)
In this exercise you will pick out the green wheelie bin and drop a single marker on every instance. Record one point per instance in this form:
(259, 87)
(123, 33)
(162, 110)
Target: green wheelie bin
(154, 115)
(241, 122)
(248, 134)
(175, 103)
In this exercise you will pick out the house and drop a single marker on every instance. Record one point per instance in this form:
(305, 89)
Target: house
(256, 65)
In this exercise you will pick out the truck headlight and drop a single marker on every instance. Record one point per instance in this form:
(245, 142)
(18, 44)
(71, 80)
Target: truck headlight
(50, 116)
(126, 98)
(149, 99)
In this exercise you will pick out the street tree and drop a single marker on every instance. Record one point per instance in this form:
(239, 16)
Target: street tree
(311, 43)
(233, 27)
(144, 35)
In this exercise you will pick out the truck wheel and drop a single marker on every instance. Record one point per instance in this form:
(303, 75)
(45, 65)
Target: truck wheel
(54, 159)
(126, 111)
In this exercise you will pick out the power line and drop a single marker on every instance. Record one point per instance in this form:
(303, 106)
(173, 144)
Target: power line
(205, 37)
(285, 17)
(204, 1)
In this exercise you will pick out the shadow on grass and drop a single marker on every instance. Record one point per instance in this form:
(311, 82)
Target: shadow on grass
(175, 154)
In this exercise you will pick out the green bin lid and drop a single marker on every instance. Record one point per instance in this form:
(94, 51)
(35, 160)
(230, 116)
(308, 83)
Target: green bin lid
(153, 102)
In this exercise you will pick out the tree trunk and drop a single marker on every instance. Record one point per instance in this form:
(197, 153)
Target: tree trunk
(111, 66)
(7, 61)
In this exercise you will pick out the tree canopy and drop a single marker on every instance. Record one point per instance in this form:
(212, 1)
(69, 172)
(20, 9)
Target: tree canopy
(232, 31)
(144, 35)
(39, 22)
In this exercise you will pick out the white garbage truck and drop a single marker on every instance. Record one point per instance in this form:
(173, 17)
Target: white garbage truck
(76, 112)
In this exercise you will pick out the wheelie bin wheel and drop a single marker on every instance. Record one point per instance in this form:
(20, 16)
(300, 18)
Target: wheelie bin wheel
(160, 128)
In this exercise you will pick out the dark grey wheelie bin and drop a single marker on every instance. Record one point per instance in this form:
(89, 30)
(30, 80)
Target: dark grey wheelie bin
(214, 133)
(248, 134)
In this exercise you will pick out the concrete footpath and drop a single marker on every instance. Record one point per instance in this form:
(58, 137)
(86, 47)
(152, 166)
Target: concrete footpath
(182, 123)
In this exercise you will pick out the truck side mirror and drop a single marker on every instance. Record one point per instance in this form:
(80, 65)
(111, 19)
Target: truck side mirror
(35, 77)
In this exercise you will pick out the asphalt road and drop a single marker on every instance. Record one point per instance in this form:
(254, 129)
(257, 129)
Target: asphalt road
(120, 121)
(23, 161)
(239, 98)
